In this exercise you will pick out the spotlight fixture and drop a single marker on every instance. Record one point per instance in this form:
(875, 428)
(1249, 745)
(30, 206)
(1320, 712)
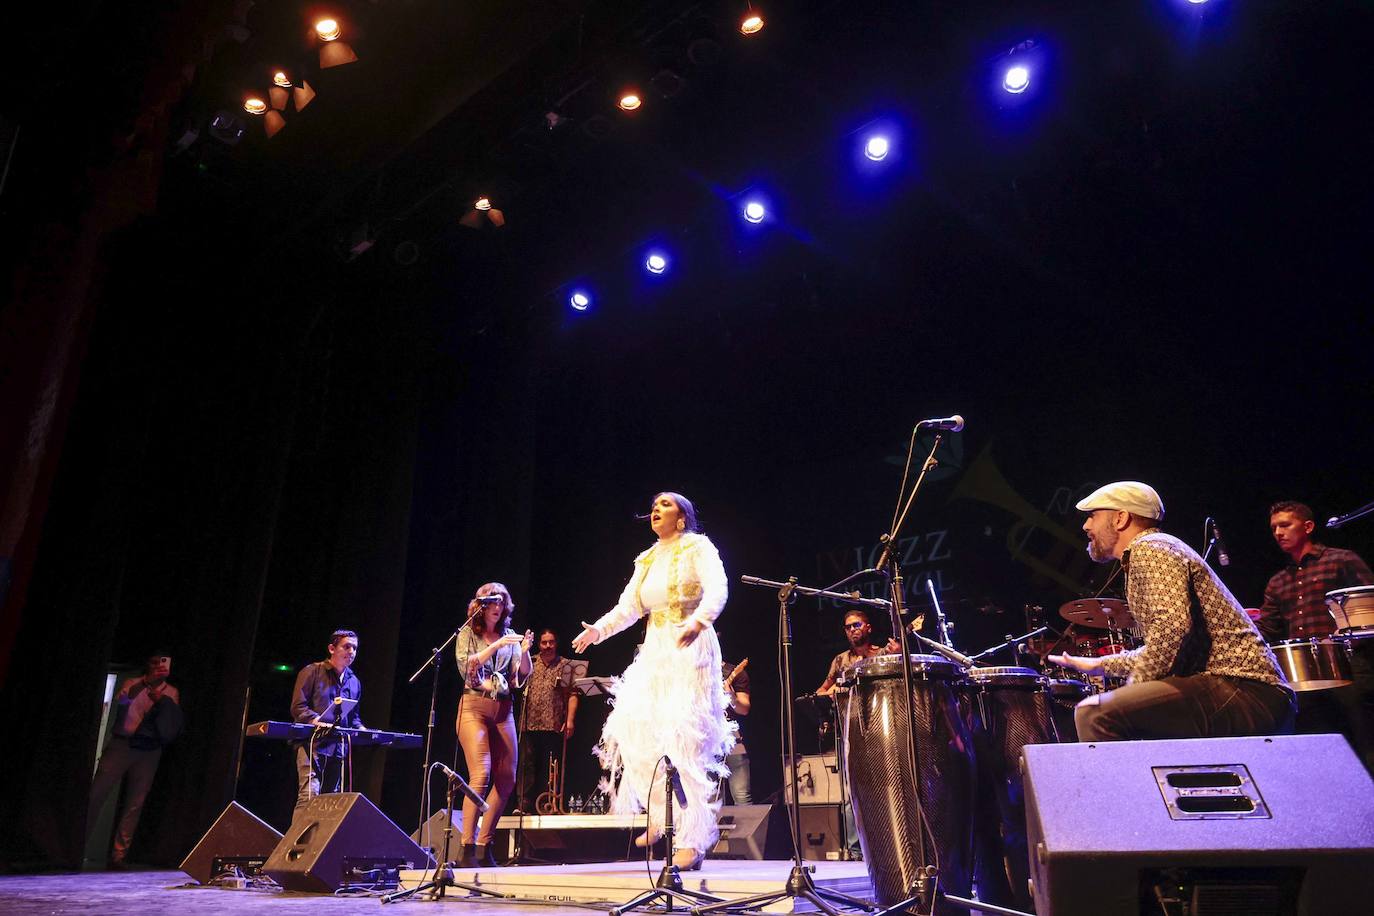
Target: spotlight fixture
(272, 121)
(656, 262)
(630, 101)
(280, 78)
(1197, 2)
(754, 211)
(751, 24)
(483, 214)
(333, 53)
(1017, 79)
(303, 95)
(580, 300)
(877, 148)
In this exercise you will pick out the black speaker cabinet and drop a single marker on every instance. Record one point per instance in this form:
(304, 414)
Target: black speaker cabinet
(335, 835)
(751, 832)
(237, 837)
(430, 836)
(1259, 826)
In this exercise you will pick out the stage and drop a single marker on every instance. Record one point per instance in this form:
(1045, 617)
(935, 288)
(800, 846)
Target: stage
(540, 890)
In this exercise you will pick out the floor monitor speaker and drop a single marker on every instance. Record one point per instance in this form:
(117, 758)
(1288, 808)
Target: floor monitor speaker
(1260, 826)
(237, 837)
(337, 839)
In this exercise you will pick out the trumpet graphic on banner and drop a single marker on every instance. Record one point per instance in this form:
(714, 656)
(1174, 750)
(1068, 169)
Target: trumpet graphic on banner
(983, 482)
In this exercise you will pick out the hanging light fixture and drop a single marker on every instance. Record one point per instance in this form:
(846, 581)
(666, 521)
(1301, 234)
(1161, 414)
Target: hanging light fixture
(333, 53)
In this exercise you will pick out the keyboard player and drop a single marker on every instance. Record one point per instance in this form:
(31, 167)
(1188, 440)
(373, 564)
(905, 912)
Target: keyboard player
(321, 690)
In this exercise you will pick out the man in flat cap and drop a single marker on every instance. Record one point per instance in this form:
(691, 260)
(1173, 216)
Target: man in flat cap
(1203, 670)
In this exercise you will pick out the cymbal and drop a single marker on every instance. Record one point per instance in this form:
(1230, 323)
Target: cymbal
(1097, 613)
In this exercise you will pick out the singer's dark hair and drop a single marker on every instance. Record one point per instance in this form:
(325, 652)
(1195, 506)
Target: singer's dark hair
(1301, 510)
(338, 635)
(479, 623)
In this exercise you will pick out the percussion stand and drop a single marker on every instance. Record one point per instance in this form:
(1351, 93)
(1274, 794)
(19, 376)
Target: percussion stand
(669, 884)
(799, 882)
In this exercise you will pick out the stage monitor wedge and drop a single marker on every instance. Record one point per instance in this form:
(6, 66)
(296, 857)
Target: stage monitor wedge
(1281, 825)
(236, 834)
(334, 834)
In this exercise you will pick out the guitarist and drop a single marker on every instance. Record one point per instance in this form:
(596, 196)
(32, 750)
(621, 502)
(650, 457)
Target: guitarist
(736, 681)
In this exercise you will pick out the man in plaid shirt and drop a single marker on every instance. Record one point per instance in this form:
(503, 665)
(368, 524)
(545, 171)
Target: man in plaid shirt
(1295, 608)
(1203, 670)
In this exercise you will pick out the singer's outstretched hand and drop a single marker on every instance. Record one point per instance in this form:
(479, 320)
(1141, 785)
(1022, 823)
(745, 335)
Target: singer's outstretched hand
(589, 636)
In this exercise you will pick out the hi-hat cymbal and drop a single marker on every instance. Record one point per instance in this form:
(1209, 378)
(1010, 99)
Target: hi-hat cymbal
(1097, 613)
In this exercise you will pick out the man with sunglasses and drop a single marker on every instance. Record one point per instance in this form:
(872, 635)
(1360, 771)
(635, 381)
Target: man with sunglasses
(859, 631)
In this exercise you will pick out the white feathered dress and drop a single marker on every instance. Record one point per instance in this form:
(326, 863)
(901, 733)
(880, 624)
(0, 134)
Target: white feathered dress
(670, 701)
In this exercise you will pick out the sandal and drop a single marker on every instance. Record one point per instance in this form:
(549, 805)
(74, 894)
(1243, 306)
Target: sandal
(688, 859)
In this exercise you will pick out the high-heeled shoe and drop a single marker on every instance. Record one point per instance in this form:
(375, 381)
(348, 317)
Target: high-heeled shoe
(467, 856)
(484, 857)
(648, 838)
(688, 859)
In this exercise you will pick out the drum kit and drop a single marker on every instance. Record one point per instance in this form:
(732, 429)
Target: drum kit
(1324, 663)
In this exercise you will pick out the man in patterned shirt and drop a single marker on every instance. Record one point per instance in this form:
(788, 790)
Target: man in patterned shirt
(550, 710)
(1203, 670)
(1295, 608)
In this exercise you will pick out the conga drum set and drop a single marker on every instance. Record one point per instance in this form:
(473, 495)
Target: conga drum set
(971, 724)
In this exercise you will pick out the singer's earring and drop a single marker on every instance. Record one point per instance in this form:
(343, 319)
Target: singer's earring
(680, 525)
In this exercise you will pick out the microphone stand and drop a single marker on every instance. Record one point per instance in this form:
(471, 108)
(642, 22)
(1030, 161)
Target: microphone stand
(1010, 641)
(800, 884)
(443, 871)
(926, 884)
(1340, 520)
(669, 884)
(435, 659)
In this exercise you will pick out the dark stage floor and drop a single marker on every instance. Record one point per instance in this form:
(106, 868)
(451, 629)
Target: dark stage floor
(172, 891)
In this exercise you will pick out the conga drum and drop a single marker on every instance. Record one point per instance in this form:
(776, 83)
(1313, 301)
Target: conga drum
(882, 786)
(1014, 707)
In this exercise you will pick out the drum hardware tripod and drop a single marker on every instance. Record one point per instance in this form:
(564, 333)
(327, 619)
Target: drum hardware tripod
(669, 883)
(443, 871)
(799, 883)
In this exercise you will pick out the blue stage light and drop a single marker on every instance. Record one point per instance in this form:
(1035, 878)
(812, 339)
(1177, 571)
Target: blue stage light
(656, 262)
(877, 148)
(1017, 79)
(754, 211)
(580, 300)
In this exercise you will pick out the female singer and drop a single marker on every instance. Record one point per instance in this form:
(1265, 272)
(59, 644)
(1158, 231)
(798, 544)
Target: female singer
(670, 701)
(493, 659)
